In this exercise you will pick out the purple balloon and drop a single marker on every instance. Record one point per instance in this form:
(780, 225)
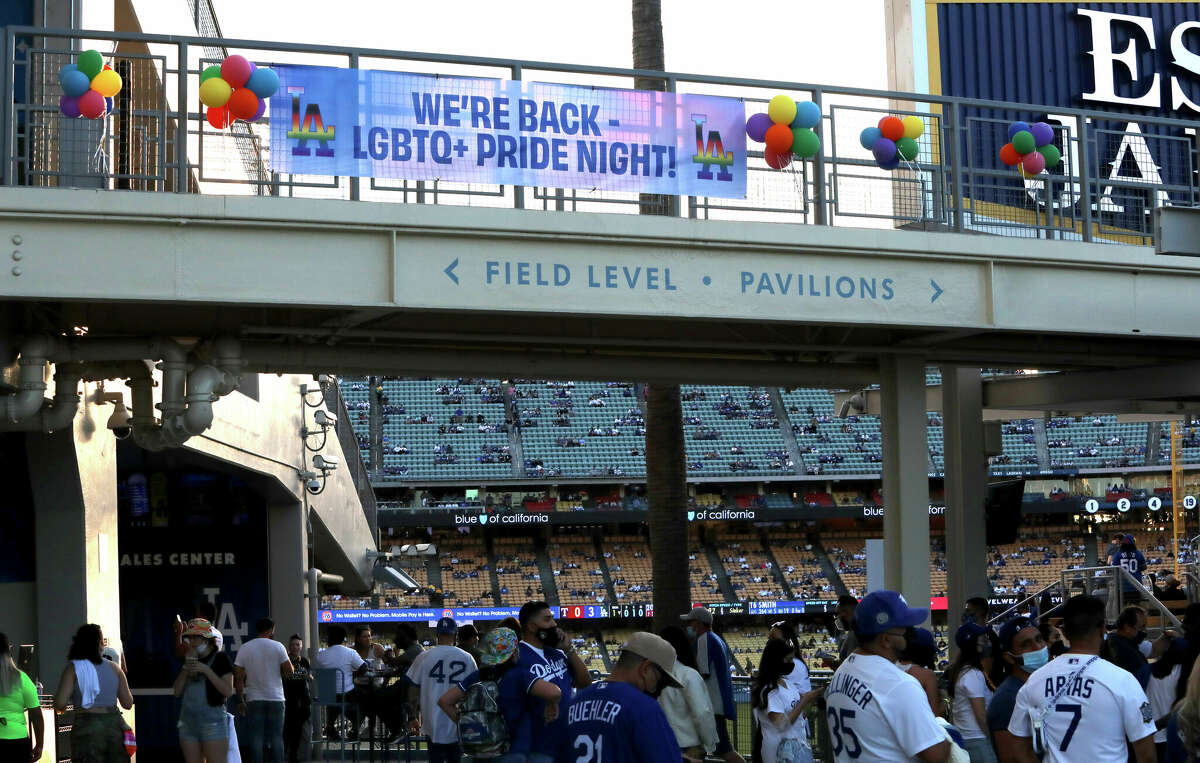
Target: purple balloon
(756, 127)
(69, 105)
(893, 164)
(884, 150)
(1043, 134)
(262, 108)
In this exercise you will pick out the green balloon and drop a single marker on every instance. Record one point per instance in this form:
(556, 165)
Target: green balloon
(210, 72)
(90, 63)
(805, 143)
(1023, 141)
(907, 148)
(1052, 154)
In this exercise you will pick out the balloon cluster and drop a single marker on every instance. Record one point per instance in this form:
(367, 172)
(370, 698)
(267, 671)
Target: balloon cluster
(787, 129)
(893, 139)
(88, 87)
(237, 89)
(1030, 148)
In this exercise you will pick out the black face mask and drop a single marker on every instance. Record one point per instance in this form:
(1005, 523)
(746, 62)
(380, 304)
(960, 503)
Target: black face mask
(1140, 637)
(549, 638)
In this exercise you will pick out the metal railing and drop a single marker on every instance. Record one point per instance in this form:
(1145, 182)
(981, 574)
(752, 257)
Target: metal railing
(159, 140)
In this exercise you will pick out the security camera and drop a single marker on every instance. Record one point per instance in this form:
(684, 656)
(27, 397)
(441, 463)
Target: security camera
(118, 422)
(325, 463)
(313, 485)
(325, 419)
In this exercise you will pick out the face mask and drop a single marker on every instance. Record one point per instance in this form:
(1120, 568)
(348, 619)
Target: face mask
(967, 617)
(691, 632)
(549, 638)
(985, 650)
(1031, 661)
(1140, 637)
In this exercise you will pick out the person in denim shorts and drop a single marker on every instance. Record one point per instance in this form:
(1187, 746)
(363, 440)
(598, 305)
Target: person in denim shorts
(204, 684)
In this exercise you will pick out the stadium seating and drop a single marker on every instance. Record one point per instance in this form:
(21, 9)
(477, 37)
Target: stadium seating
(466, 581)
(517, 571)
(581, 429)
(753, 578)
(630, 567)
(1037, 559)
(733, 431)
(800, 567)
(574, 561)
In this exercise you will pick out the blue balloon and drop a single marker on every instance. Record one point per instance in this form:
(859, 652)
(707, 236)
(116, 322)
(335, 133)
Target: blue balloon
(74, 83)
(868, 137)
(808, 114)
(884, 150)
(108, 105)
(893, 164)
(263, 83)
(65, 69)
(1017, 127)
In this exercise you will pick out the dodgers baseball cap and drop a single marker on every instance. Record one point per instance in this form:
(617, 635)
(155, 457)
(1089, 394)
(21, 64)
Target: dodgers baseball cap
(1010, 629)
(700, 615)
(447, 626)
(968, 633)
(923, 637)
(882, 610)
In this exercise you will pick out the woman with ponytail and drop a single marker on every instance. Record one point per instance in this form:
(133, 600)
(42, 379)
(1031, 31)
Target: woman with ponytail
(18, 702)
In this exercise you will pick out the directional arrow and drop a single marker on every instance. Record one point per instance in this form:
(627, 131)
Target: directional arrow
(449, 271)
(937, 290)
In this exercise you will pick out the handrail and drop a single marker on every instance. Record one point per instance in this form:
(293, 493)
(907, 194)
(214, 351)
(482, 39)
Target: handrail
(1002, 617)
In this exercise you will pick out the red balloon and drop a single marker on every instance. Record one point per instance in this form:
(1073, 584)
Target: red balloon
(107, 68)
(892, 128)
(243, 104)
(1009, 155)
(236, 70)
(776, 160)
(220, 118)
(91, 104)
(779, 139)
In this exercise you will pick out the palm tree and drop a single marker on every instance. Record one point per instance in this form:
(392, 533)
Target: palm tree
(666, 465)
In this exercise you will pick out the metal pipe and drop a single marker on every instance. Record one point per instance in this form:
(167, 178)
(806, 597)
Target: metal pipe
(51, 417)
(31, 380)
(201, 383)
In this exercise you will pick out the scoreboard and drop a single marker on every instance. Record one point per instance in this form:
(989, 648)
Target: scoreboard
(812, 606)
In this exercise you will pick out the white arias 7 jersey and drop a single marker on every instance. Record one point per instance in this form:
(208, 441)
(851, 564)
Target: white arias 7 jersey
(877, 713)
(1096, 712)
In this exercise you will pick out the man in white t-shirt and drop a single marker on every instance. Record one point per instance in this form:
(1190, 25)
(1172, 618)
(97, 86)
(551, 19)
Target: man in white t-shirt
(258, 672)
(876, 712)
(435, 671)
(348, 664)
(1083, 707)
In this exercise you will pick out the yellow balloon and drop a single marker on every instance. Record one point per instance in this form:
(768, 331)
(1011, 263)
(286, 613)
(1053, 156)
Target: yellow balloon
(781, 110)
(107, 83)
(215, 92)
(913, 127)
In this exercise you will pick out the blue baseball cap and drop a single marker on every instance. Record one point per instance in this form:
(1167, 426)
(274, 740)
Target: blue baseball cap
(968, 633)
(1010, 629)
(880, 611)
(923, 637)
(447, 626)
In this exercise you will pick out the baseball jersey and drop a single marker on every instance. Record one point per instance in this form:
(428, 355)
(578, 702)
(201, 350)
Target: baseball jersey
(614, 722)
(877, 713)
(1097, 711)
(548, 665)
(435, 671)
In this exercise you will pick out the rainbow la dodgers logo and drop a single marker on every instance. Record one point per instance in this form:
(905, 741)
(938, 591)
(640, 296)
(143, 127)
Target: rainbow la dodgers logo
(312, 127)
(709, 152)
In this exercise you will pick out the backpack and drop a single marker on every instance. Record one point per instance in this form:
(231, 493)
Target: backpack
(481, 727)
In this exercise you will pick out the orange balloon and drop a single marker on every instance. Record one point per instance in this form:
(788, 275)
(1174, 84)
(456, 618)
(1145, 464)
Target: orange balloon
(1009, 155)
(779, 139)
(219, 117)
(892, 128)
(243, 104)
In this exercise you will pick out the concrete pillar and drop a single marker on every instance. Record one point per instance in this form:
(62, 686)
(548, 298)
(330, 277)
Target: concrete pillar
(905, 479)
(73, 478)
(286, 586)
(966, 481)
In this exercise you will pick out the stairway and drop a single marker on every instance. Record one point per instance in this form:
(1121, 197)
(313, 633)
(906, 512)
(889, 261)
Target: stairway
(1043, 448)
(1153, 443)
(375, 426)
(492, 576)
(608, 584)
(827, 565)
(516, 449)
(780, 578)
(546, 570)
(433, 572)
(785, 429)
(608, 662)
(714, 560)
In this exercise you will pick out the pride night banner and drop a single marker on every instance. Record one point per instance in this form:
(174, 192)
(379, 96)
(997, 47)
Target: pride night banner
(365, 123)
